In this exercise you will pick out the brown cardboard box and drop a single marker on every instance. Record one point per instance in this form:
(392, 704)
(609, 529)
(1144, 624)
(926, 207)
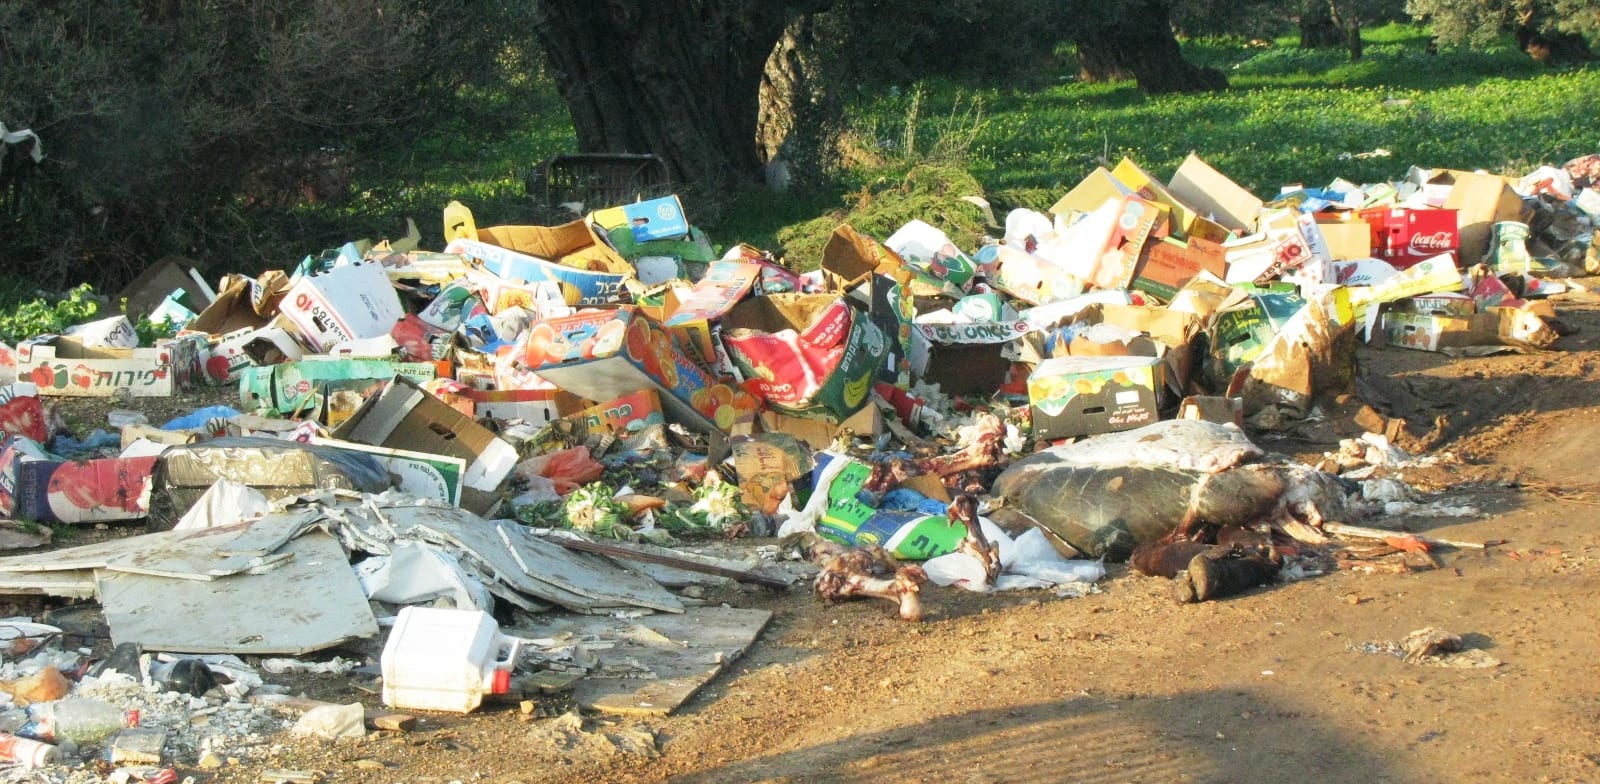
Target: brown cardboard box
(1092, 193)
(1170, 264)
(819, 434)
(1347, 236)
(405, 416)
(1480, 201)
(1213, 194)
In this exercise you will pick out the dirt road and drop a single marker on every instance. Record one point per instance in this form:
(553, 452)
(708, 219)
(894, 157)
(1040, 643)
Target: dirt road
(1281, 684)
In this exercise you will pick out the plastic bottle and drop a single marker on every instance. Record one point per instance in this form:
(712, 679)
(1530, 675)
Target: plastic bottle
(30, 753)
(80, 719)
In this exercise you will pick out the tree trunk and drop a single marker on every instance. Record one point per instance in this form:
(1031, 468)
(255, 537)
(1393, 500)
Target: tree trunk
(1317, 29)
(677, 78)
(1098, 63)
(1138, 39)
(1353, 33)
(800, 116)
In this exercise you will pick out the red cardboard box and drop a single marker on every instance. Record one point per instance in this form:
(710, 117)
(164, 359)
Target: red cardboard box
(1404, 237)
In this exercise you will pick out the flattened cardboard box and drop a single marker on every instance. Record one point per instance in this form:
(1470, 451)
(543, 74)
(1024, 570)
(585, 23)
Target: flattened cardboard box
(1508, 327)
(569, 254)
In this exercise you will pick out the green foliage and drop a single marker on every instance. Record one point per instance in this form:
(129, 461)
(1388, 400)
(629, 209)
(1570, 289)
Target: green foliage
(928, 192)
(153, 332)
(48, 315)
(1479, 22)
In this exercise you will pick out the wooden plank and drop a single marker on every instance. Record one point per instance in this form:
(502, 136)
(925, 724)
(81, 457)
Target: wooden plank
(313, 601)
(699, 644)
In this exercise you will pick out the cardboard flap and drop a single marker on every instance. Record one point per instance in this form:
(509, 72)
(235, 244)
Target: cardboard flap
(850, 259)
(1214, 195)
(1092, 193)
(572, 244)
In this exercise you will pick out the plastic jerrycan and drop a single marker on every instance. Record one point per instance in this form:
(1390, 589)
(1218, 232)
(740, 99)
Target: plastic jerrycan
(445, 660)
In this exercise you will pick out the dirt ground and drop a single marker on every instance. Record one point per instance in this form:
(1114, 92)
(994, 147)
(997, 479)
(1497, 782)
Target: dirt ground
(1128, 686)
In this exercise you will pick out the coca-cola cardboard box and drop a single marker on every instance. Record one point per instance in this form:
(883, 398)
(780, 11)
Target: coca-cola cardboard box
(1404, 237)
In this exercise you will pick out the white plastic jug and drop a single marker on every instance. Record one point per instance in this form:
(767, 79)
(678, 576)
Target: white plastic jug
(445, 660)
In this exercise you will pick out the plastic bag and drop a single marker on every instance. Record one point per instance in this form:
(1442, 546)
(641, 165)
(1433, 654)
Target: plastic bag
(569, 469)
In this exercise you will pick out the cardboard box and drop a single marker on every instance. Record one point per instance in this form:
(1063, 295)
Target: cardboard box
(654, 219)
(1277, 248)
(809, 355)
(964, 359)
(875, 278)
(1508, 327)
(1443, 304)
(244, 303)
(691, 312)
(623, 416)
(113, 332)
(245, 348)
(1240, 334)
(534, 406)
(569, 254)
(1168, 265)
(1480, 201)
(346, 303)
(156, 282)
(766, 463)
(405, 416)
(1404, 237)
(1103, 248)
(1347, 236)
(86, 491)
(306, 385)
(819, 434)
(421, 474)
(1214, 195)
(67, 368)
(1092, 193)
(543, 298)
(605, 354)
(1186, 221)
(1080, 396)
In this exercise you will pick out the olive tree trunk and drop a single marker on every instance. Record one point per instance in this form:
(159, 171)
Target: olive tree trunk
(1136, 38)
(678, 78)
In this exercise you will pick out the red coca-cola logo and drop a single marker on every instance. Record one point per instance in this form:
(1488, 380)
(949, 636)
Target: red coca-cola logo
(1437, 241)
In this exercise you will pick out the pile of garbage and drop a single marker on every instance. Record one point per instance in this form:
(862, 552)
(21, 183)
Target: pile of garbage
(536, 423)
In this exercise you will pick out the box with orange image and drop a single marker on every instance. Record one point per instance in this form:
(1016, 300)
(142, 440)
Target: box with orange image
(1080, 396)
(610, 353)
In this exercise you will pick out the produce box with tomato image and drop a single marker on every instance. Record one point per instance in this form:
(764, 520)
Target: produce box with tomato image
(808, 355)
(1080, 396)
(38, 487)
(606, 354)
(65, 367)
